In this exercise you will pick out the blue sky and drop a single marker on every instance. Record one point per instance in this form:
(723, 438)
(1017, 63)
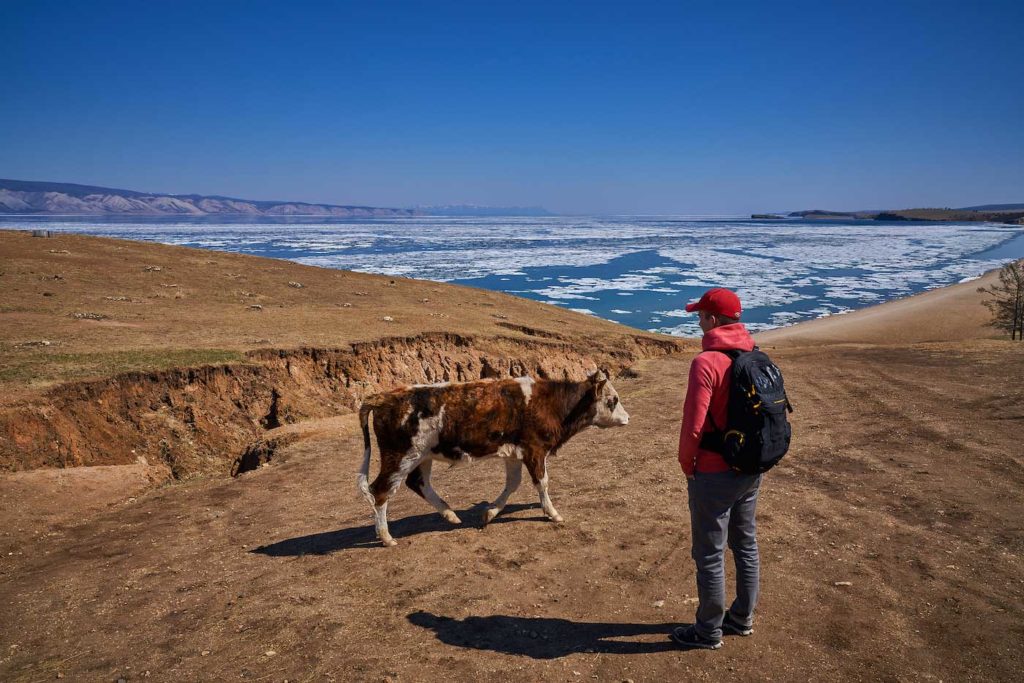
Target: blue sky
(592, 107)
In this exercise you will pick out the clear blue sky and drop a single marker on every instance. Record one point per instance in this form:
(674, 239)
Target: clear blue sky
(628, 107)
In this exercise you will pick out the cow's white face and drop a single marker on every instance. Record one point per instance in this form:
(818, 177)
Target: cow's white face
(608, 408)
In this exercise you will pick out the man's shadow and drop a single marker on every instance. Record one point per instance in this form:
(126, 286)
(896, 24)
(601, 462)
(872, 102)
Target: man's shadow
(544, 638)
(364, 536)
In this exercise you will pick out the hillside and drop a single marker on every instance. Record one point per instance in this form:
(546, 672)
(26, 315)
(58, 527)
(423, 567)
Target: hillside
(202, 351)
(994, 213)
(949, 215)
(946, 314)
(995, 207)
(25, 196)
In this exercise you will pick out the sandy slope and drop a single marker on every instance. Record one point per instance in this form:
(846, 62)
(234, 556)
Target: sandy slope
(905, 480)
(945, 314)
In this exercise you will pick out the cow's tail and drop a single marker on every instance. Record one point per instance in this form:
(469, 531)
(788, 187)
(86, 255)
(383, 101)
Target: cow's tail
(363, 478)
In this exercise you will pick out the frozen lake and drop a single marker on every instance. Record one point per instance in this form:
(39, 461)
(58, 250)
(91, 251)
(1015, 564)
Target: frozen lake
(636, 270)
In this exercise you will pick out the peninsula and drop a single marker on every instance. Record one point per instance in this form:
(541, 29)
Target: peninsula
(990, 213)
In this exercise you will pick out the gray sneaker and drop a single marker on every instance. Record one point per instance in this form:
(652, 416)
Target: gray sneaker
(688, 637)
(733, 627)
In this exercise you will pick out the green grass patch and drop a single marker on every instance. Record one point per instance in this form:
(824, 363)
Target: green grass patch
(44, 367)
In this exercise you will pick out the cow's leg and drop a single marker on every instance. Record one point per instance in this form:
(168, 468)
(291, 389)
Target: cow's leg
(513, 476)
(395, 467)
(539, 473)
(419, 481)
(382, 489)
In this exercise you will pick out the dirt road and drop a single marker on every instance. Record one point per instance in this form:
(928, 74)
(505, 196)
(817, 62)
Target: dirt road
(891, 540)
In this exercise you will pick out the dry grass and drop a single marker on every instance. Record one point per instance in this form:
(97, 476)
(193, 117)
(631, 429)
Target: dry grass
(105, 305)
(40, 369)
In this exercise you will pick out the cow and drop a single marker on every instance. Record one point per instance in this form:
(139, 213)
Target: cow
(521, 420)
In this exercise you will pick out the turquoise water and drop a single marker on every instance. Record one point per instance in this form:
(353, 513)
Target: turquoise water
(636, 270)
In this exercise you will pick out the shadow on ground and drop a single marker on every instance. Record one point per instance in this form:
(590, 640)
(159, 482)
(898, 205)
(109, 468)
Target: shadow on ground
(364, 536)
(544, 638)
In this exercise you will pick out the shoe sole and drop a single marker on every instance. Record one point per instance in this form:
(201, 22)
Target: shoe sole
(695, 645)
(732, 630)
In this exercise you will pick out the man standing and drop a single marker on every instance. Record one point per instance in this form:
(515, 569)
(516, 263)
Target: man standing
(722, 500)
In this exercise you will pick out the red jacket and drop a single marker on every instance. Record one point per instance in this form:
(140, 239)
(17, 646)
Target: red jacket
(707, 391)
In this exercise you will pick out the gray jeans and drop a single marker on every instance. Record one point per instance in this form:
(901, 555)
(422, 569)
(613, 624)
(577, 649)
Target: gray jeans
(722, 511)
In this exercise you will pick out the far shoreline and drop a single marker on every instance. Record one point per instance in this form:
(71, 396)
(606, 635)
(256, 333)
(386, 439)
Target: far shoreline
(952, 312)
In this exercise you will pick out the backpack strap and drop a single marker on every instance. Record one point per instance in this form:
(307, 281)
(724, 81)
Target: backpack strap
(712, 441)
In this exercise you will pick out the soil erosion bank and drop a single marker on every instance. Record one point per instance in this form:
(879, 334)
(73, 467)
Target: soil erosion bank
(70, 300)
(208, 419)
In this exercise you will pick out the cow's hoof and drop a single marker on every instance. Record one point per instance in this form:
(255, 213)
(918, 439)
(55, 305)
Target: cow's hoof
(451, 517)
(557, 519)
(490, 514)
(389, 542)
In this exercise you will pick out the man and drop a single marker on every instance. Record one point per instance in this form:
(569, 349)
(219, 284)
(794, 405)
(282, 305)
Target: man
(722, 501)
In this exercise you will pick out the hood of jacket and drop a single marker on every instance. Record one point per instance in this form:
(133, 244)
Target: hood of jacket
(728, 337)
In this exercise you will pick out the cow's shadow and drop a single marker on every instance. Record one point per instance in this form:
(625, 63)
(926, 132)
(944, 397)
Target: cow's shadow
(543, 637)
(363, 536)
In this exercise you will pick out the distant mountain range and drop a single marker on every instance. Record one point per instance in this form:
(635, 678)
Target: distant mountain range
(28, 196)
(474, 210)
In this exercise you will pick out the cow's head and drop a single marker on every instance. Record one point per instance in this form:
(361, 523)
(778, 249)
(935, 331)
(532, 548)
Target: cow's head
(608, 410)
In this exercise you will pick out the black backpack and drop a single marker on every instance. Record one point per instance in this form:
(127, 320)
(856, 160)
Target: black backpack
(757, 433)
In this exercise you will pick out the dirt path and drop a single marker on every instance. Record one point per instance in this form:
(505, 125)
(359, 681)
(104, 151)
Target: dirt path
(906, 481)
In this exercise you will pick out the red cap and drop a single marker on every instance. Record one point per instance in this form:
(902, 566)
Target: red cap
(718, 301)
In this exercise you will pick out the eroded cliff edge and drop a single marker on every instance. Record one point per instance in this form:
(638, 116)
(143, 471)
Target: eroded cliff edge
(210, 419)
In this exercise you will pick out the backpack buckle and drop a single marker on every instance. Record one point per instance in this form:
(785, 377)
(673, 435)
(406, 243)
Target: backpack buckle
(740, 436)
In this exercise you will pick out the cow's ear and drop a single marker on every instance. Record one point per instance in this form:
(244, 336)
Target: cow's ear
(599, 377)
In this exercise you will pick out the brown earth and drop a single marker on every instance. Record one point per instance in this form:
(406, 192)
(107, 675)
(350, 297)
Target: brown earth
(904, 480)
(145, 350)
(106, 306)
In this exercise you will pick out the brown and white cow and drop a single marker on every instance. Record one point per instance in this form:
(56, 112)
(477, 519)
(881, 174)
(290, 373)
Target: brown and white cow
(522, 421)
